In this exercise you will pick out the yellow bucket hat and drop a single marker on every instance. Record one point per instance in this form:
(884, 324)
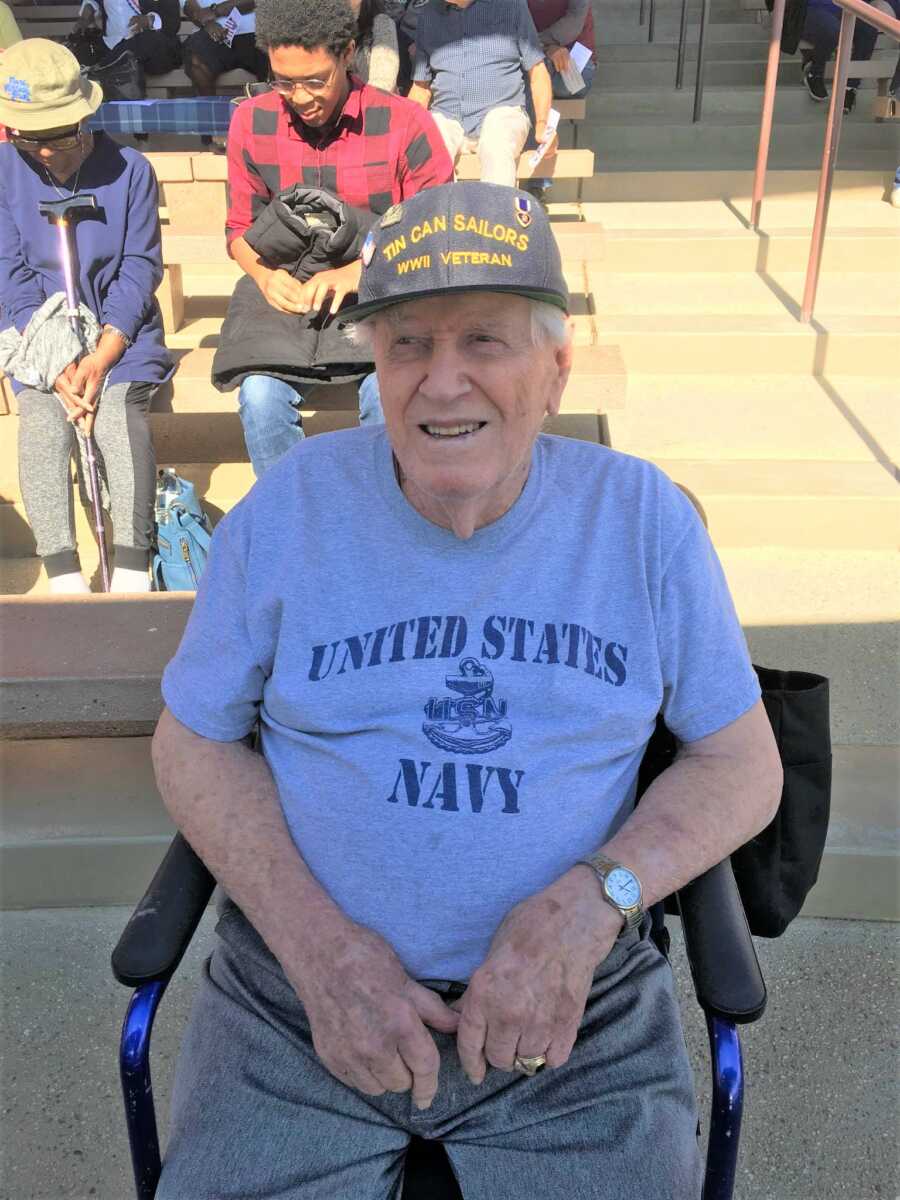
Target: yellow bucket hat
(41, 87)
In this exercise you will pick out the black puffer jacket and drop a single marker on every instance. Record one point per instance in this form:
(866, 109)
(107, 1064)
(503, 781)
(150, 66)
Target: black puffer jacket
(304, 231)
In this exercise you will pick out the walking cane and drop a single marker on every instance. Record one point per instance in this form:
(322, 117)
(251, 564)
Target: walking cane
(58, 213)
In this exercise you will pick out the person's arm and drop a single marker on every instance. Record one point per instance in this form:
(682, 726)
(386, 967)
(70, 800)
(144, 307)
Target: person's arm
(420, 93)
(162, 14)
(196, 12)
(541, 97)
(721, 790)
(384, 56)
(130, 295)
(21, 290)
(424, 161)
(565, 31)
(531, 56)
(420, 90)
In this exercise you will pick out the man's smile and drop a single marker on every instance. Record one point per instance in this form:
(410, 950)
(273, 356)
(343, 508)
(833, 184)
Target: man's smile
(459, 429)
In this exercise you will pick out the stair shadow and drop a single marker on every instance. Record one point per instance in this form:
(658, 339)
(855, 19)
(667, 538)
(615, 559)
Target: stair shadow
(865, 435)
(26, 575)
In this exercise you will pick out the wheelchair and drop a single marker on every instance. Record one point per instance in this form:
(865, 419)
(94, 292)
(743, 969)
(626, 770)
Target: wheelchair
(727, 980)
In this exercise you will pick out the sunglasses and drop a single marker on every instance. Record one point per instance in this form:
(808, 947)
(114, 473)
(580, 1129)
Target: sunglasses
(58, 140)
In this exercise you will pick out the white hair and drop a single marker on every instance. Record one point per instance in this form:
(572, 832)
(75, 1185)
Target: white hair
(548, 324)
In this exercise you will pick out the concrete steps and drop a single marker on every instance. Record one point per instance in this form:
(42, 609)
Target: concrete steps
(83, 825)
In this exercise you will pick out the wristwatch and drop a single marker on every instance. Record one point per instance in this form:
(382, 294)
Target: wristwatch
(621, 888)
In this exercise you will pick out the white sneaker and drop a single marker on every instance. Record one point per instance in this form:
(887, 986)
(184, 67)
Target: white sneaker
(126, 580)
(72, 583)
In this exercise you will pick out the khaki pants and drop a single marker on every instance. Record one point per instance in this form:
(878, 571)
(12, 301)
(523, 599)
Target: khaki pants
(500, 141)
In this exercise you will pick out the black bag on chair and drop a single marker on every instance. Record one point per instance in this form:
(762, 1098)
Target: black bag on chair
(776, 869)
(121, 76)
(88, 47)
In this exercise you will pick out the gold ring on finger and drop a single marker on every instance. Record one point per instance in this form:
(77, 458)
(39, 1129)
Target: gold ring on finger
(530, 1066)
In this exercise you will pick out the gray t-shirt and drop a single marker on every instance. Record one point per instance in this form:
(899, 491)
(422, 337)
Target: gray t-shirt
(453, 724)
(474, 58)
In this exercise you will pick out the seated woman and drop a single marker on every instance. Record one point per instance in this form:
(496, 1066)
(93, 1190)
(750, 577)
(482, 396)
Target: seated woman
(377, 58)
(118, 265)
(148, 28)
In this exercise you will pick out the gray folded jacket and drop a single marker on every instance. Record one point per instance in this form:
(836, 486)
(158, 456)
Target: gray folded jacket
(49, 343)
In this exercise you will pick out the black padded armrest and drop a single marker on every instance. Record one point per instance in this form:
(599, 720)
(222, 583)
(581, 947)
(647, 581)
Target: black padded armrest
(720, 950)
(162, 925)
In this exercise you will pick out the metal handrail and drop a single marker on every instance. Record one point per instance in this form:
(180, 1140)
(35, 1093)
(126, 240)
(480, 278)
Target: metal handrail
(853, 9)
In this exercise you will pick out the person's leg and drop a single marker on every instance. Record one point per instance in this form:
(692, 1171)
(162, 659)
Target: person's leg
(201, 62)
(864, 37)
(246, 55)
(501, 138)
(452, 133)
(255, 1115)
(270, 415)
(370, 410)
(156, 52)
(46, 441)
(619, 1119)
(122, 433)
(820, 28)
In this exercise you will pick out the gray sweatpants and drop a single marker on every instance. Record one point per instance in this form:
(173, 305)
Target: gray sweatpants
(255, 1114)
(127, 467)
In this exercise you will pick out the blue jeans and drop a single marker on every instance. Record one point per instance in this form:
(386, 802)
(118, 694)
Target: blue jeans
(270, 414)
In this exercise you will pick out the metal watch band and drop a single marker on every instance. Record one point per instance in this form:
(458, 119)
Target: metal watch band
(601, 866)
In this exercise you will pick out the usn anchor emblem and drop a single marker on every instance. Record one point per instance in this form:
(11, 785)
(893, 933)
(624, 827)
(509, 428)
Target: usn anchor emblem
(473, 724)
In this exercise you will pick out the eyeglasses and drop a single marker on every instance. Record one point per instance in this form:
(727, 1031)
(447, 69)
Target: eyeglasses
(287, 87)
(56, 141)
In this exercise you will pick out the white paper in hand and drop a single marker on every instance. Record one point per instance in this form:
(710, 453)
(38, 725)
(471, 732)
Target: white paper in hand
(580, 56)
(536, 155)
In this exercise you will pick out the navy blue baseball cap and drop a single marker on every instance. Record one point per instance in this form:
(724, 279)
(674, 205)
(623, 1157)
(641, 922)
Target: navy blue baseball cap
(460, 237)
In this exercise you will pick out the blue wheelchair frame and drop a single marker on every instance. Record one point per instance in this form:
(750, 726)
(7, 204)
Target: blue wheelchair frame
(727, 981)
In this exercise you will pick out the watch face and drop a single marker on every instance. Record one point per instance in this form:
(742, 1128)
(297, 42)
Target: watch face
(623, 888)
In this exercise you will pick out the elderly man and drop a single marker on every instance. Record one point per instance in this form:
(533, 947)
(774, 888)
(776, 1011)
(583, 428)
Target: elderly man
(436, 873)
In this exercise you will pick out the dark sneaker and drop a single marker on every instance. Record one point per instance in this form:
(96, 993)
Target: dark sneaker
(849, 100)
(815, 82)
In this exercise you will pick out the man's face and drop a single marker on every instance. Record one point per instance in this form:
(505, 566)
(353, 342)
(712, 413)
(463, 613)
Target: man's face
(320, 80)
(464, 391)
(459, 3)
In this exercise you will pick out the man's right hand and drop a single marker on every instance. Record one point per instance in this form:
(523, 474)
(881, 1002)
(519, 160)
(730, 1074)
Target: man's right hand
(283, 291)
(368, 1017)
(217, 32)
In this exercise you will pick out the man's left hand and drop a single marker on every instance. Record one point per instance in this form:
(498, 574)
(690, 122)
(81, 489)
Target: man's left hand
(528, 996)
(338, 283)
(140, 24)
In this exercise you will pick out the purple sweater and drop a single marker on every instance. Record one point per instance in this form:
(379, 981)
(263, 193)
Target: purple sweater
(119, 255)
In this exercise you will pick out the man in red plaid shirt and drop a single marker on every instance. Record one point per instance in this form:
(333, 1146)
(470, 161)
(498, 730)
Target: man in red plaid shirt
(324, 128)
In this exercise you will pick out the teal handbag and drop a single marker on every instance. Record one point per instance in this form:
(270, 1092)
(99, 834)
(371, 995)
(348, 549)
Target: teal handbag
(183, 534)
